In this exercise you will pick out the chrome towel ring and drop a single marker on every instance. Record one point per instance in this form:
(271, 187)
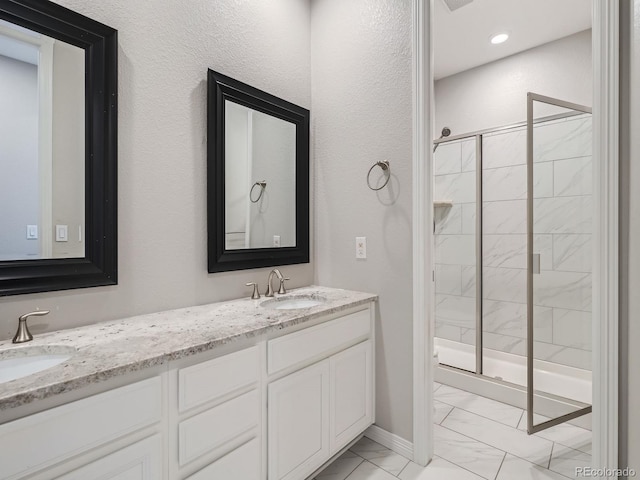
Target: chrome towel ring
(384, 165)
(262, 185)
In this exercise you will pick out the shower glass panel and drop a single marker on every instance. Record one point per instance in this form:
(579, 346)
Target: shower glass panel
(455, 207)
(558, 246)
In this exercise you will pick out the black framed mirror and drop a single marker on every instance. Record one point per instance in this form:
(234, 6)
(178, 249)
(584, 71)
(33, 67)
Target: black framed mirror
(58, 157)
(257, 178)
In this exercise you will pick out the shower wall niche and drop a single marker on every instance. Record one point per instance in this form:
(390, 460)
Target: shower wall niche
(562, 226)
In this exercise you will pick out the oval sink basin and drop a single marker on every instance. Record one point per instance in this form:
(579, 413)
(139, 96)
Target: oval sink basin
(294, 302)
(19, 362)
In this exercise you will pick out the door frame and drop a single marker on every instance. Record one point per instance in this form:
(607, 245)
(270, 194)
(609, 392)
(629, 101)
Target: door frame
(605, 43)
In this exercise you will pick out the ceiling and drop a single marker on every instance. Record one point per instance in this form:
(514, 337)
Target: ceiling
(461, 37)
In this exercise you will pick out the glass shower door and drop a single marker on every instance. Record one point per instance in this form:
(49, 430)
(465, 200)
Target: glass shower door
(559, 234)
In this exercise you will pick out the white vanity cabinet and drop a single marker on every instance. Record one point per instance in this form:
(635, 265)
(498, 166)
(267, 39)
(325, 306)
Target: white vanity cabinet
(299, 423)
(218, 418)
(269, 408)
(59, 440)
(140, 461)
(320, 408)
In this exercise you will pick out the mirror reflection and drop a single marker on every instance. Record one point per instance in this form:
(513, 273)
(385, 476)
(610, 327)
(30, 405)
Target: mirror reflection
(260, 179)
(42, 146)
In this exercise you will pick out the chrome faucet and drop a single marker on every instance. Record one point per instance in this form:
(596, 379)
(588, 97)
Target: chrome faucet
(281, 290)
(23, 334)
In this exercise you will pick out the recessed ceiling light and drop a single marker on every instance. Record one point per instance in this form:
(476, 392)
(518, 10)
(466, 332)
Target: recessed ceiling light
(499, 38)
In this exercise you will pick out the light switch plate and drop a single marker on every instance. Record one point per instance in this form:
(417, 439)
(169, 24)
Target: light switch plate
(62, 233)
(361, 247)
(32, 232)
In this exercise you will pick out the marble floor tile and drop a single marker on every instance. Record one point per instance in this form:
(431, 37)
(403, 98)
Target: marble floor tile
(467, 453)
(438, 469)
(484, 407)
(514, 468)
(368, 471)
(441, 410)
(341, 468)
(436, 386)
(565, 434)
(565, 460)
(511, 440)
(380, 456)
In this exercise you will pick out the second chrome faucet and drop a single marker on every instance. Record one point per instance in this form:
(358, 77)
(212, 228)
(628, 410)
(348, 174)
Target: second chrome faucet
(269, 292)
(281, 290)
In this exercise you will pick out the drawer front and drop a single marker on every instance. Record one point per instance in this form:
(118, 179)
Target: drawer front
(216, 378)
(140, 461)
(326, 338)
(242, 463)
(215, 427)
(38, 441)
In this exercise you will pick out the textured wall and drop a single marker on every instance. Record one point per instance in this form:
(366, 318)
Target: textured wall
(361, 113)
(165, 49)
(494, 95)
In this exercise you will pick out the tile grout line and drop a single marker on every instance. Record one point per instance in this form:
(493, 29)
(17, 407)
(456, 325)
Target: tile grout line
(405, 467)
(551, 456)
(448, 413)
(500, 467)
(495, 448)
(519, 420)
(474, 413)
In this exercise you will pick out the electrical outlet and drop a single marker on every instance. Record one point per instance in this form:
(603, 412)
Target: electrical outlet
(276, 241)
(361, 247)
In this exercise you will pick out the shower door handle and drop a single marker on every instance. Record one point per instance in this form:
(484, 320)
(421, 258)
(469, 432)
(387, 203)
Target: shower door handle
(536, 263)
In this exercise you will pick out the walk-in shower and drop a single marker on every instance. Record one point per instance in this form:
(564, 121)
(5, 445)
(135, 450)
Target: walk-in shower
(513, 234)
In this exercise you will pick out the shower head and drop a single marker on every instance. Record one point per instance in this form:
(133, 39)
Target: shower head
(446, 131)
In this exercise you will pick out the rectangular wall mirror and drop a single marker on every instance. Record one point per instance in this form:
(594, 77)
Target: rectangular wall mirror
(258, 178)
(58, 147)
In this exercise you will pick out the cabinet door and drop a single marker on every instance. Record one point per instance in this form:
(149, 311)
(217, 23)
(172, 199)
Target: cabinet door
(298, 416)
(351, 394)
(140, 461)
(243, 464)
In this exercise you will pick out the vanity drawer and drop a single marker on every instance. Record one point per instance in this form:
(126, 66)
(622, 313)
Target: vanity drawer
(44, 439)
(217, 378)
(242, 463)
(314, 342)
(213, 428)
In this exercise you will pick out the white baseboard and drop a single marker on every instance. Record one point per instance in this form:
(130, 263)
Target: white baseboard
(390, 440)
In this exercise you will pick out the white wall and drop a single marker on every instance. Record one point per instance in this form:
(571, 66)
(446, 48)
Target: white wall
(165, 49)
(18, 158)
(361, 113)
(236, 176)
(68, 149)
(274, 160)
(494, 95)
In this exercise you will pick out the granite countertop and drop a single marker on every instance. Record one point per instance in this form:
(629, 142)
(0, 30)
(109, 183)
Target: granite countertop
(109, 349)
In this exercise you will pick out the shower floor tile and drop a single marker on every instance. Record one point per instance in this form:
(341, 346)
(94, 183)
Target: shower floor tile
(478, 439)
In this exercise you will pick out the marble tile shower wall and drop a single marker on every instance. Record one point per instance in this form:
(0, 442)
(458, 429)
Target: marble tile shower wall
(562, 236)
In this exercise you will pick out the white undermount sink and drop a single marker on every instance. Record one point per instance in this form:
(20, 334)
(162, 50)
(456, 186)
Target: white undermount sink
(294, 302)
(19, 362)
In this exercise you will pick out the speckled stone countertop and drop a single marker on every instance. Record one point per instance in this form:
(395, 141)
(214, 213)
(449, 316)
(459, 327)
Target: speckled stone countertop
(109, 349)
